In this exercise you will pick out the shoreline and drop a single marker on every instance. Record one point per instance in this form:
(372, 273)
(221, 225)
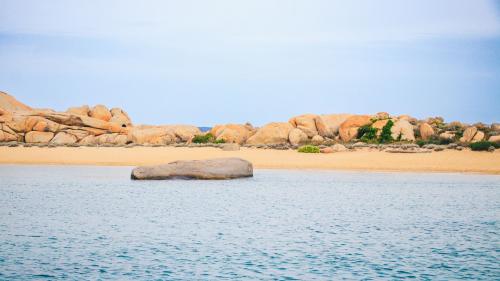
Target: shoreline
(448, 161)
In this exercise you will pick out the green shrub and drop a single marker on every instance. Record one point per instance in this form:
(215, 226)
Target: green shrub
(203, 138)
(220, 141)
(386, 136)
(421, 143)
(309, 149)
(483, 145)
(367, 133)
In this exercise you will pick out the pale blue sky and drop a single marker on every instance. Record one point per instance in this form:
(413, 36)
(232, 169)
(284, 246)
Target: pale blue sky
(206, 62)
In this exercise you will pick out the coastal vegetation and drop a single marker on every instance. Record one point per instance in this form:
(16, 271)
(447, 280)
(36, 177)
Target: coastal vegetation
(309, 149)
(484, 145)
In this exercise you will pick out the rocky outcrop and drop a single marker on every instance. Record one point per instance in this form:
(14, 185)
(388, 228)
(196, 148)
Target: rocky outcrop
(297, 137)
(79, 110)
(426, 131)
(38, 137)
(317, 140)
(311, 125)
(339, 147)
(100, 112)
(447, 136)
(403, 130)
(162, 135)
(349, 128)
(233, 133)
(333, 122)
(9, 103)
(120, 117)
(63, 138)
(212, 169)
(471, 134)
(494, 138)
(272, 133)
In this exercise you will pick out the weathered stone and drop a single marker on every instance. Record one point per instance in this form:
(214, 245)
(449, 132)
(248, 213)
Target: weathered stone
(382, 115)
(317, 140)
(339, 148)
(38, 137)
(426, 131)
(232, 133)
(152, 135)
(212, 169)
(63, 138)
(349, 129)
(495, 127)
(311, 125)
(272, 133)
(112, 139)
(333, 122)
(297, 137)
(9, 103)
(230, 147)
(468, 134)
(120, 117)
(100, 112)
(89, 140)
(494, 138)
(403, 129)
(79, 110)
(327, 150)
(479, 136)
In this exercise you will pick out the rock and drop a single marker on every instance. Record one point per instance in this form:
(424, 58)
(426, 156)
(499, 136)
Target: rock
(79, 134)
(63, 138)
(100, 112)
(495, 127)
(408, 118)
(5, 137)
(38, 137)
(212, 169)
(410, 150)
(152, 135)
(230, 147)
(426, 131)
(435, 121)
(404, 129)
(379, 124)
(360, 144)
(233, 133)
(317, 140)
(447, 136)
(491, 148)
(339, 148)
(327, 150)
(454, 126)
(382, 115)
(479, 136)
(468, 134)
(184, 133)
(297, 137)
(272, 133)
(311, 125)
(333, 122)
(120, 117)
(349, 129)
(111, 139)
(9, 103)
(494, 138)
(79, 110)
(459, 148)
(89, 140)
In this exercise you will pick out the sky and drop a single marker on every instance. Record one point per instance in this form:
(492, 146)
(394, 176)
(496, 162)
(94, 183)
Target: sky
(219, 61)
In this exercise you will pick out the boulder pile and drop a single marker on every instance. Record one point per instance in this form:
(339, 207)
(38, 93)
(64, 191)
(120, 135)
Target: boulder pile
(100, 126)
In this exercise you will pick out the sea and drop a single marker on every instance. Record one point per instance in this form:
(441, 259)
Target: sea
(94, 223)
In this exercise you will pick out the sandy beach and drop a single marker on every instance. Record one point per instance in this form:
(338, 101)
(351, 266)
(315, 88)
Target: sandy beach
(445, 161)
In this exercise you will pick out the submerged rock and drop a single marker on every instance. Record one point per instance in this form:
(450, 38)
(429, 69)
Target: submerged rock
(211, 169)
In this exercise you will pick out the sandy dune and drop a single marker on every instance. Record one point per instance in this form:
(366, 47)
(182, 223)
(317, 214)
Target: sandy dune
(445, 161)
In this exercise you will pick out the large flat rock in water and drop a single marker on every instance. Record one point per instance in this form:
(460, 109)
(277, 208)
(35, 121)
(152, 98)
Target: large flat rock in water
(211, 169)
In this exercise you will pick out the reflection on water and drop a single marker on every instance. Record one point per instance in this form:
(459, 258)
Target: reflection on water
(93, 222)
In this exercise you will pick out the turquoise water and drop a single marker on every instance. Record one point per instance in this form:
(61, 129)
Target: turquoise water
(91, 223)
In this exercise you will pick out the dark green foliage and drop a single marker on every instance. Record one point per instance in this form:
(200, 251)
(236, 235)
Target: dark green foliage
(385, 136)
(220, 141)
(483, 145)
(367, 133)
(308, 149)
(434, 140)
(203, 138)
(421, 143)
